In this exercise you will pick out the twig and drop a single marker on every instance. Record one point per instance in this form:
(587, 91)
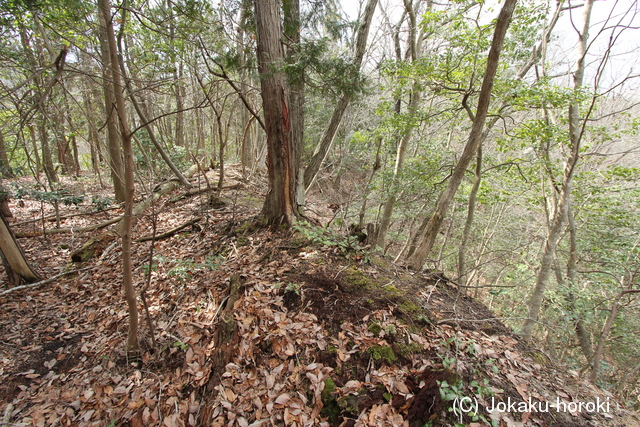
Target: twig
(43, 282)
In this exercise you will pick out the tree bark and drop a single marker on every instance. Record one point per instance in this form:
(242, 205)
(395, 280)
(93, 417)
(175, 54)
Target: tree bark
(291, 24)
(419, 256)
(47, 159)
(562, 210)
(279, 206)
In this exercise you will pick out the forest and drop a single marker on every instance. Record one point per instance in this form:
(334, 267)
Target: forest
(288, 146)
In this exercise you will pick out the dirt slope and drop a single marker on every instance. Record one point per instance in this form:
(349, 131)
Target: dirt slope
(317, 332)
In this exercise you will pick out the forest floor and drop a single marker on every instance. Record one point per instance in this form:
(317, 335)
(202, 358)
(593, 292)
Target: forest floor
(319, 332)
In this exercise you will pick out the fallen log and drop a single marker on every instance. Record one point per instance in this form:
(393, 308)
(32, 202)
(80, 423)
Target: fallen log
(97, 244)
(53, 217)
(70, 229)
(196, 191)
(168, 233)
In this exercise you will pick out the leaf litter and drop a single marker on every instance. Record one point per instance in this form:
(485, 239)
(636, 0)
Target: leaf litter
(324, 337)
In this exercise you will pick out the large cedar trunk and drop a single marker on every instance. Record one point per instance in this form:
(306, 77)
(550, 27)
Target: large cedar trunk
(279, 206)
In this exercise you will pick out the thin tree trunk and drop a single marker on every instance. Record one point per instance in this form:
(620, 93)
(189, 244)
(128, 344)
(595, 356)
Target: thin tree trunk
(113, 145)
(581, 331)
(47, 160)
(127, 268)
(93, 139)
(470, 214)
(363, 209)
(415, 49)
(328, 136)
(5, 168)
(475, 138)
(36, 154)
(561, 213)
(606, 329)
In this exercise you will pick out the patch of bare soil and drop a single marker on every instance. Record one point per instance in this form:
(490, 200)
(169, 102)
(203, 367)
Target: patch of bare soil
(319, 335)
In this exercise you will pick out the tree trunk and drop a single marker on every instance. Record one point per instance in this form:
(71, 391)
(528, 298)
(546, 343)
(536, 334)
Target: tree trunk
(127, 268)
(113, 145)
(291, 24)
(147, 125)
(5, 168)
(471, 208)
(562, 210)
(279, 206)
(36, 154)
(606, 329)
(16, 265)
(47, 160)
(93, 138)
(581, 331)
(415, 50)
(475, 137)
(329, 134)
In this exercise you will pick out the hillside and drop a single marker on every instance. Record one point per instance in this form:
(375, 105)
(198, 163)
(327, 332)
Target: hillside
(258, 327)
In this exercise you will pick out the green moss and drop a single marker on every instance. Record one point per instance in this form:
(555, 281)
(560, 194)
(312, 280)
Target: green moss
(299, 240)
(244, 228)
(349, 404)
(390, 330)
(374, 328)
(382, 353)
(331, 409)
(329, 388)
(409, 308)
(242, 241)
(355, 281)
(391, 291)
(539, 358)
(408, 350)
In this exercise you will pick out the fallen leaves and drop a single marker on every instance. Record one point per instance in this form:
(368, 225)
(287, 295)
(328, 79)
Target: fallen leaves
(62, 359)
